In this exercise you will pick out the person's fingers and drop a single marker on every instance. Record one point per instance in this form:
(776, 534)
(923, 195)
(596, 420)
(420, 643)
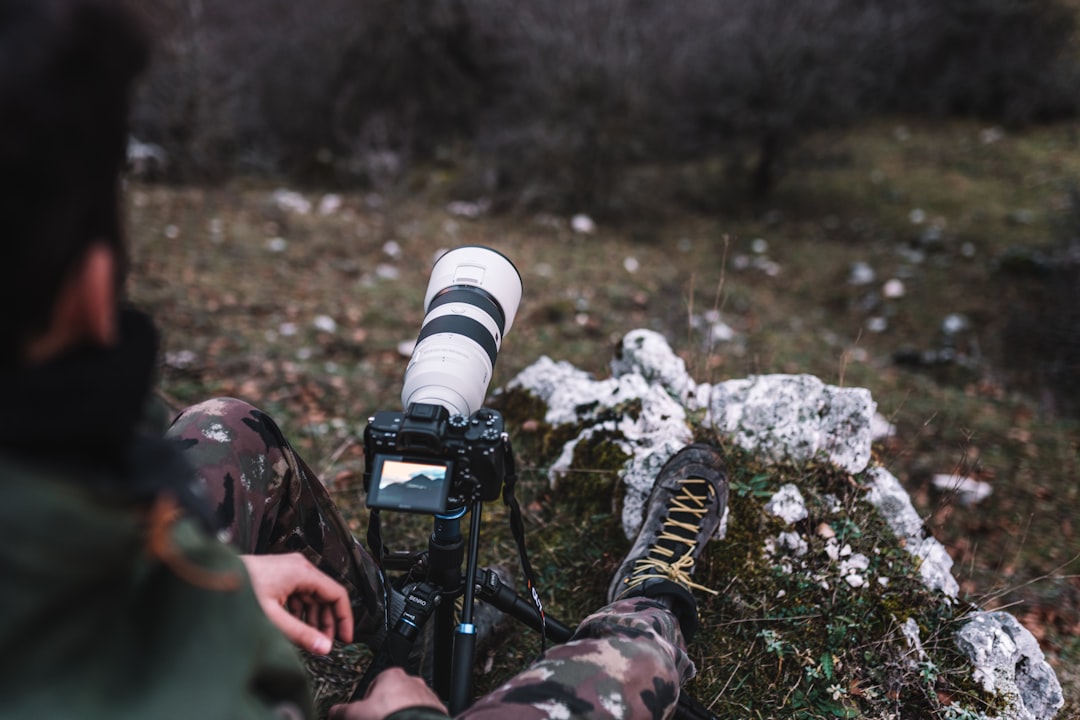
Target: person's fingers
(392, 690)
(295, 606)
(293, 585)
(340, 610)
(344, 624)
(327, 593)
(299, 632)
(327, 620)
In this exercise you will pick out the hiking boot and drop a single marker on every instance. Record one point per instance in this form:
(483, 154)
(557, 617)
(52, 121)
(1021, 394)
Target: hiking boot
(684, 510)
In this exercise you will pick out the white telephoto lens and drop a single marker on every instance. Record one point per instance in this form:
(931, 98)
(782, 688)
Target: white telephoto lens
(471, 300)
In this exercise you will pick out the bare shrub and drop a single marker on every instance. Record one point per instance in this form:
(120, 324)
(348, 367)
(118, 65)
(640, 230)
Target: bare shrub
(1041, 304)
(588, 90)
(576, 105)
(1013, 61)
(312, 91)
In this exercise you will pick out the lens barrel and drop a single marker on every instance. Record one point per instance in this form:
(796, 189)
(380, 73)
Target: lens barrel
(470, 304)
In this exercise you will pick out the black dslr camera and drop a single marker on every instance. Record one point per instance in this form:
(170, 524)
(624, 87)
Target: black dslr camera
(426, 460)
(446, 450)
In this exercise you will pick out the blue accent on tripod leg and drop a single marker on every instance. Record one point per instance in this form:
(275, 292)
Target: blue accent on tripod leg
(464, 650)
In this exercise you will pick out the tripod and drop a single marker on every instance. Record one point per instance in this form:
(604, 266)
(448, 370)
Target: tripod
(434, 598)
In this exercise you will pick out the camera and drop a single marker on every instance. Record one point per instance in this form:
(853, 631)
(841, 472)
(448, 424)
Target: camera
(446, 449)
(426, 460)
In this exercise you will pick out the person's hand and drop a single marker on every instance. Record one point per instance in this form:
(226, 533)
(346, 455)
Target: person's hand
(304, 603)
(393, 689)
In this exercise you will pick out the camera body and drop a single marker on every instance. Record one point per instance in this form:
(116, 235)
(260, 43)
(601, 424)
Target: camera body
(427, 460)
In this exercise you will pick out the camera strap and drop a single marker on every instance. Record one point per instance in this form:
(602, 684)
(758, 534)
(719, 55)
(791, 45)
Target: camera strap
(374, 538)
(517, 527)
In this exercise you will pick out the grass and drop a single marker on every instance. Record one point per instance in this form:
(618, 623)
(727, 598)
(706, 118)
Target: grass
(246, 314)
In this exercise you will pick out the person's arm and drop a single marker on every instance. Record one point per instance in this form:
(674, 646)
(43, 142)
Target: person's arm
(393, 695)
(304, 603)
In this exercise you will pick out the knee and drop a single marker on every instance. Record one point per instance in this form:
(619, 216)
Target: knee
(219, 420)
(220, 408)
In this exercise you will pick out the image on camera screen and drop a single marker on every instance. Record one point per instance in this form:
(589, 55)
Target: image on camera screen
(399, 483)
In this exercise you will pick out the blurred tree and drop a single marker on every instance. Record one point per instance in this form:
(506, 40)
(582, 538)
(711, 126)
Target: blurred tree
(1011, 61)
(571, 106)
(587, 90)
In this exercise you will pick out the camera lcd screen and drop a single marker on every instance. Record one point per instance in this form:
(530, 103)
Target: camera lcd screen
(415, 485)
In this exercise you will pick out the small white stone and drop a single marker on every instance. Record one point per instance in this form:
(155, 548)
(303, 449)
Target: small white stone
(582, 224)
(967, 491)
(329, 204)
(325, 323)
(392, 248)
(787, 504)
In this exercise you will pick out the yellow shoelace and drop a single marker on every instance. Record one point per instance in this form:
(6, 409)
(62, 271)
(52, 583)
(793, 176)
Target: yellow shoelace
(678, 571)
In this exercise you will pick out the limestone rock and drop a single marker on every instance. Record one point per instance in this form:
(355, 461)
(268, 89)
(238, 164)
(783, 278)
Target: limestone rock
(1009, 663)
(892, 501)
(646, 407)
(795, 416)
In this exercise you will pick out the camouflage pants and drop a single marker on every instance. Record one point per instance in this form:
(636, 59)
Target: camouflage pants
(627, 660)
(267, 500)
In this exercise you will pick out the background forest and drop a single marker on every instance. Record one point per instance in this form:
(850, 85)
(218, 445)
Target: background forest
(883, 194)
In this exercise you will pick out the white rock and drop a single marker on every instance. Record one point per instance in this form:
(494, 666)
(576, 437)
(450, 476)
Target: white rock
(656, 433)
(582, 224)
(854, 564)
(861, 274)
(955, 323)
(1009, 663)
(935, 567)
(329, 204)
(392, 248)
(325, 323)
(967, 491)
(648, 354)
(893, 289)
(910, 631)
(881, 428)
(795, 416)
(892, 501)
(291, 201)
(787, 504)
(792, 543)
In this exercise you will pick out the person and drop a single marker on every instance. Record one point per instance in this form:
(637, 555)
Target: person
(115, 599)
(153, 573)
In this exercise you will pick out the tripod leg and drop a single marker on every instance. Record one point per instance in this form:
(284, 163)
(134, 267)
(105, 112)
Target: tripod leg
(493, 591)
